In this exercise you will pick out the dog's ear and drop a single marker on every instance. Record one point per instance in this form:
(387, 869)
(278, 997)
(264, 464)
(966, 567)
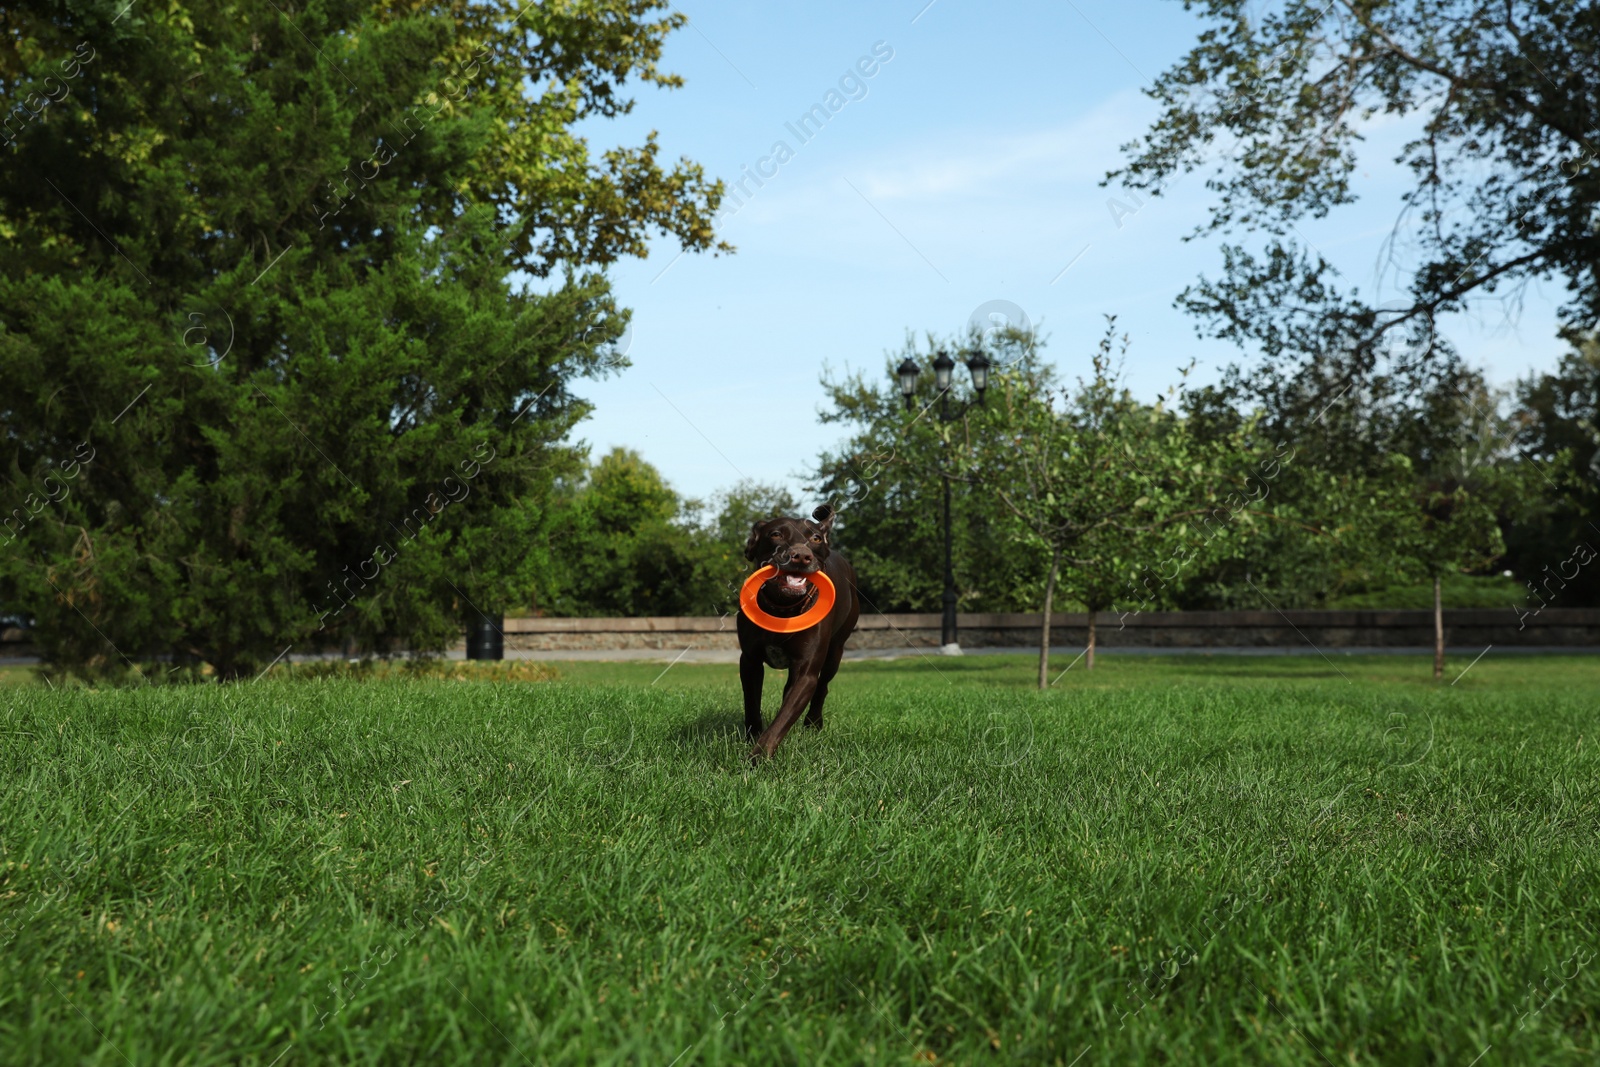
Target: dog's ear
(755, 536)
(823, 517)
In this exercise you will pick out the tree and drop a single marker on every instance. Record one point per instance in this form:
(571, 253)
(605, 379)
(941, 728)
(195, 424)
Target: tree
(258, 264)
(1103, 484)
(1455, 530)
(884, 481)
(1558, 431)
(1502, 97)
(628, 545)
(1459, 494)
(620, 552)
(1358, 476)
(719, 540)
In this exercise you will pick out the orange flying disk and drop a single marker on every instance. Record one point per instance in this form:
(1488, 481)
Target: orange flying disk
(803, 621)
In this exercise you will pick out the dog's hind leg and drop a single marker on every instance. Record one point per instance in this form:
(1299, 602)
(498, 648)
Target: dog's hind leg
(752, 673)
(830, 667)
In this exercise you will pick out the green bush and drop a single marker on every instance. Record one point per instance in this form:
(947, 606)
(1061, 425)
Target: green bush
(1457, 591)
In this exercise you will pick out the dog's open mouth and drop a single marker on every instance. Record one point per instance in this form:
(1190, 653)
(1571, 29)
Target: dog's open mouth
(790, 584)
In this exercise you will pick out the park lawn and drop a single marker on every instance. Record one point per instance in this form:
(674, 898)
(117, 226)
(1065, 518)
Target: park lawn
(1220, 860)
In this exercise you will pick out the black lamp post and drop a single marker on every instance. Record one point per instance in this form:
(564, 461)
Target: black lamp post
(943, 368)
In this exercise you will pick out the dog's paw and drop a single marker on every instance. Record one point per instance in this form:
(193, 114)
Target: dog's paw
(758, 756)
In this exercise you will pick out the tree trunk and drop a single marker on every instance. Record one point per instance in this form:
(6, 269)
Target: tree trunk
(1438, 631)
(1088, 658)
(1044, 632)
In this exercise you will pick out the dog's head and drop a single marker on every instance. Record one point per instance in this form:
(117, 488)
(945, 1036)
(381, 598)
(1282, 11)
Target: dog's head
(795, 546)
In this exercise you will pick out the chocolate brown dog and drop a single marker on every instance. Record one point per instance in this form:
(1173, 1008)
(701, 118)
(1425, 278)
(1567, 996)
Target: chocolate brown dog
(796, 547)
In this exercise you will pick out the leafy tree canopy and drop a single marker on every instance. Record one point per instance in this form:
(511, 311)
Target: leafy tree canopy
(1109, 489)
(258, 262)
(1503, 97)
(1557, 426)
(624, 543)
(885, 482)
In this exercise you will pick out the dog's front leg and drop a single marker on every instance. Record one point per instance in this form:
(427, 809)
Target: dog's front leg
(752, 673)
(802, 684)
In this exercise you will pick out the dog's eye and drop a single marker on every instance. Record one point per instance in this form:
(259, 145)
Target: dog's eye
(816, 540)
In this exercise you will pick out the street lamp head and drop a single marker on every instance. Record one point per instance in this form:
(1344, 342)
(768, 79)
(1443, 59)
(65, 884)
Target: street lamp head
(908, 372)
(978, 364)
(942, 366)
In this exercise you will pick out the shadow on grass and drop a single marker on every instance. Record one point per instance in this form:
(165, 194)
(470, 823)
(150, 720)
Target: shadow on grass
(714, 728)
(1020, 671)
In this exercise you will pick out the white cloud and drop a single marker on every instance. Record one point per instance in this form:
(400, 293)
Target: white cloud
(945, 165)
(977, 164)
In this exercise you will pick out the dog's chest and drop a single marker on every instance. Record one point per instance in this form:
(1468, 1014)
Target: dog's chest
(777, 657)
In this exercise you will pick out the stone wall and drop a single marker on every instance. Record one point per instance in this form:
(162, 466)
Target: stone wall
(1560, 627)
(1575, 627)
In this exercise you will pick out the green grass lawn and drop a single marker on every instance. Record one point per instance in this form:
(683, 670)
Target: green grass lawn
(1194, 860)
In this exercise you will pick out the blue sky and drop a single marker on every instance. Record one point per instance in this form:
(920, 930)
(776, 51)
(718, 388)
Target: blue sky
(965, 169)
